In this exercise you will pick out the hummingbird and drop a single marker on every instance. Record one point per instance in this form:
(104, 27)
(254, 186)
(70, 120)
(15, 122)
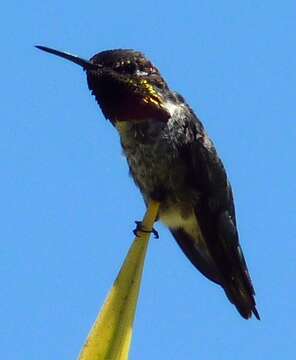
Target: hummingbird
(173, 161)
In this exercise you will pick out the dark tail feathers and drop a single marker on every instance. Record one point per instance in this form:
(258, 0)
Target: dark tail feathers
(242, 299)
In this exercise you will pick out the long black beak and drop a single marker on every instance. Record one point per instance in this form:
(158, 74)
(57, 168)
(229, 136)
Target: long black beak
(87, 65)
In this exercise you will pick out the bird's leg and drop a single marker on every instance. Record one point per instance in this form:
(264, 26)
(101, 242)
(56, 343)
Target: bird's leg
(139, 227)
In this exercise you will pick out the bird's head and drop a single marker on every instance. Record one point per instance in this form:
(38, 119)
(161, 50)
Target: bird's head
(126, 85)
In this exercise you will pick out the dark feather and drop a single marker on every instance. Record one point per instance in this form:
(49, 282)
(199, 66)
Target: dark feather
(216, 217)
(186, 243)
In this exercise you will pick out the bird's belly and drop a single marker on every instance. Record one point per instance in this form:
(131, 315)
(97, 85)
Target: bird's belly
(157, 168)
(161, 173)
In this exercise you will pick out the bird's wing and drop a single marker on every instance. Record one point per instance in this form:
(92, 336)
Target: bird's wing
(188, 245)
(215, 214)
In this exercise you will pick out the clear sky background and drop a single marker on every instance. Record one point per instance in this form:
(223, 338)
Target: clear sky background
(68, 206)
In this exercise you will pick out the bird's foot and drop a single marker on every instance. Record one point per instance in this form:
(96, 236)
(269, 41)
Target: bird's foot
(140, 228)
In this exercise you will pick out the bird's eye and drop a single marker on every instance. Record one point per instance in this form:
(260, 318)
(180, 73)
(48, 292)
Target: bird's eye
(141, 73)
(126, 67)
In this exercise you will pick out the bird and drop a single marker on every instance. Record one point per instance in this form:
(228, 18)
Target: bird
(173, 161)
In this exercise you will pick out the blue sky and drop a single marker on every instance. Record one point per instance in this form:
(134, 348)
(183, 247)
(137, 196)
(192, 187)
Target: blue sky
(68, 205)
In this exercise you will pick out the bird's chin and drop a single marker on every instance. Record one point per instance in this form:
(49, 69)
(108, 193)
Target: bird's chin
(137, 112)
